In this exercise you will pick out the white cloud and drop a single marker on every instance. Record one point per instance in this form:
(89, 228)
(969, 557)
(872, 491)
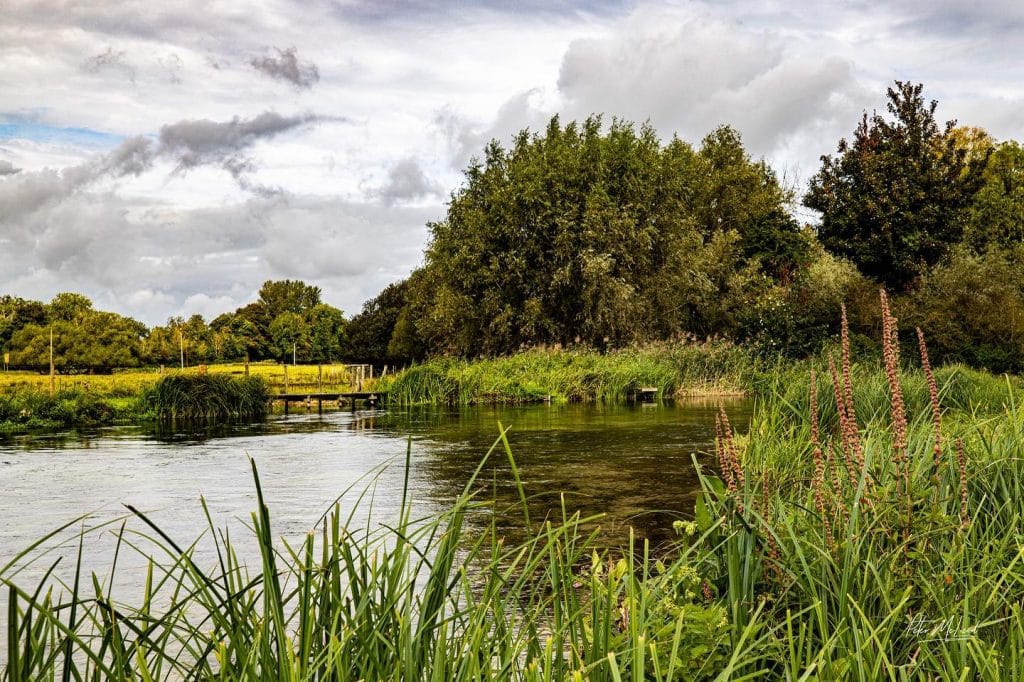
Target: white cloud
(344, 204)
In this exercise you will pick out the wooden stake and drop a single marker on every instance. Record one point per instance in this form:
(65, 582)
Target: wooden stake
(286, 378)
(53, 388)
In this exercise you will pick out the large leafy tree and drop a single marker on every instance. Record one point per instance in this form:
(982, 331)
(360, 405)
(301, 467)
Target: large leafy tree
(893, 200)
(596, 235)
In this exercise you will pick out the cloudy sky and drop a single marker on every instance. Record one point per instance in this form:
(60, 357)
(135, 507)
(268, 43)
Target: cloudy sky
(167, 158)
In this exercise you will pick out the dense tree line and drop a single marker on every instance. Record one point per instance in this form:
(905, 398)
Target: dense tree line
(603, 235)
(287, 320)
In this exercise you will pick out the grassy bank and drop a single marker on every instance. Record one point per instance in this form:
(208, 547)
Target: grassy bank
(206, 397)
(577, 375)
(130, 383)
(130, 397)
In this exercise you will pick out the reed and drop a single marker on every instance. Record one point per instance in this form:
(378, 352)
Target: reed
(674, 369)
(208, 397)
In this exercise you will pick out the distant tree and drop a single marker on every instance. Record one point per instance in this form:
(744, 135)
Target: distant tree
(894, 199)
(289, 334)
(291, 296)
(996, 214)
(369, 333)
(16, 313)
(99, 341)
(326, 326)
(66, 307)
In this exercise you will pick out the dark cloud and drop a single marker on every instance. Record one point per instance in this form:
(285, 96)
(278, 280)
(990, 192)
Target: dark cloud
(7, 168)
(110, 60)
(27, 193)
(203, 141)
(187, 144)
(407, 181)
(287, 67)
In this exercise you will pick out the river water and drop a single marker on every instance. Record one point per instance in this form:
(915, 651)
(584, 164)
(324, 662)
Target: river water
(633, 464)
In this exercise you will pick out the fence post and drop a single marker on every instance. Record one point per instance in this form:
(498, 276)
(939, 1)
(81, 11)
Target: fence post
(52, 373)
(286, 378)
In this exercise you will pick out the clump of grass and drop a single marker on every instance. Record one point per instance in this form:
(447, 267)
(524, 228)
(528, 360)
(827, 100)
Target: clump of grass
(25, 410)
(208, 397)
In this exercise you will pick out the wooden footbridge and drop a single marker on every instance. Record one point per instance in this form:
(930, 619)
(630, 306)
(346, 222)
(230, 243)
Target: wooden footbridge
(372, 399)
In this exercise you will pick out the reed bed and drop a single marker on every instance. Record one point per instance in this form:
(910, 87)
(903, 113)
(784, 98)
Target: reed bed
(208, 397)
(674, 369)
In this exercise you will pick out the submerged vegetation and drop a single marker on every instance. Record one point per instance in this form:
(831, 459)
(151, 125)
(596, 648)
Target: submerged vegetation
(867, 527)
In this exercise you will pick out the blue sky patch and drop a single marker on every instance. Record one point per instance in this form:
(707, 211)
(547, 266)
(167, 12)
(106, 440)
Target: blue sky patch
(24, 129)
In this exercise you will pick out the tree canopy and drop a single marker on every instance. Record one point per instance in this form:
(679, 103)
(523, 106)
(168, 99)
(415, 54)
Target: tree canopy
(895, 199)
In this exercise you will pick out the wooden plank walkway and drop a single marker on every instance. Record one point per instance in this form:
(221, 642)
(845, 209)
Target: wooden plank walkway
(372, 398)
(312, 395)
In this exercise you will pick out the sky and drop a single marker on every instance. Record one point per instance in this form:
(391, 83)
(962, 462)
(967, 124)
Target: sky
(167, 158)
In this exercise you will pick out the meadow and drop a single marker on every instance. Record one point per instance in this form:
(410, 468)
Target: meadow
(867, 527)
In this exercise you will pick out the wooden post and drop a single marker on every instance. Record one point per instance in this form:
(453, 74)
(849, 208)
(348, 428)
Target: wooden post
(53, 379)
(319, 379)
(293, 353)
(371, 372)
(286, 378)
(181, 347)
(246, 364)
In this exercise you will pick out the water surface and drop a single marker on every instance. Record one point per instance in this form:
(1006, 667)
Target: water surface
(633, 464)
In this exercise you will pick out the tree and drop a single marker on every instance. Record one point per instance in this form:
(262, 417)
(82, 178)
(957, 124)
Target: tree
(96, 341)
(369, 332)
(894, 200)
(326, 333)
(15, 313)
(574, 235)
(996, 215)
(290, 335)
(292, 296)
(66, 307)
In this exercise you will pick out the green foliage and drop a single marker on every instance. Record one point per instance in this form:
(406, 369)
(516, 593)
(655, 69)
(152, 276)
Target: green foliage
(210, 397)
(996, 216)
(16, 313)
(28, 410)
(972, 308)
(288, 331)
(895, 199)
(579, 375)
(96, 340)
(371, 331)
(602, 237)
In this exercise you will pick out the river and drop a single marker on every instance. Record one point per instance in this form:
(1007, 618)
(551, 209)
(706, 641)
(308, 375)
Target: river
(632, 464)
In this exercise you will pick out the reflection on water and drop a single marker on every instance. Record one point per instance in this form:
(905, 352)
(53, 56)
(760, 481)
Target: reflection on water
(631, 463)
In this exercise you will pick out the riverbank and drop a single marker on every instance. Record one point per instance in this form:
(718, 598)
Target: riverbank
(204, 397)
(88, 400)
(672, 370)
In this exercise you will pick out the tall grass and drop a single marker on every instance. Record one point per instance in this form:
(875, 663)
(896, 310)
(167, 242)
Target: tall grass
(416, 599)
(577, 375)
(208, 397)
